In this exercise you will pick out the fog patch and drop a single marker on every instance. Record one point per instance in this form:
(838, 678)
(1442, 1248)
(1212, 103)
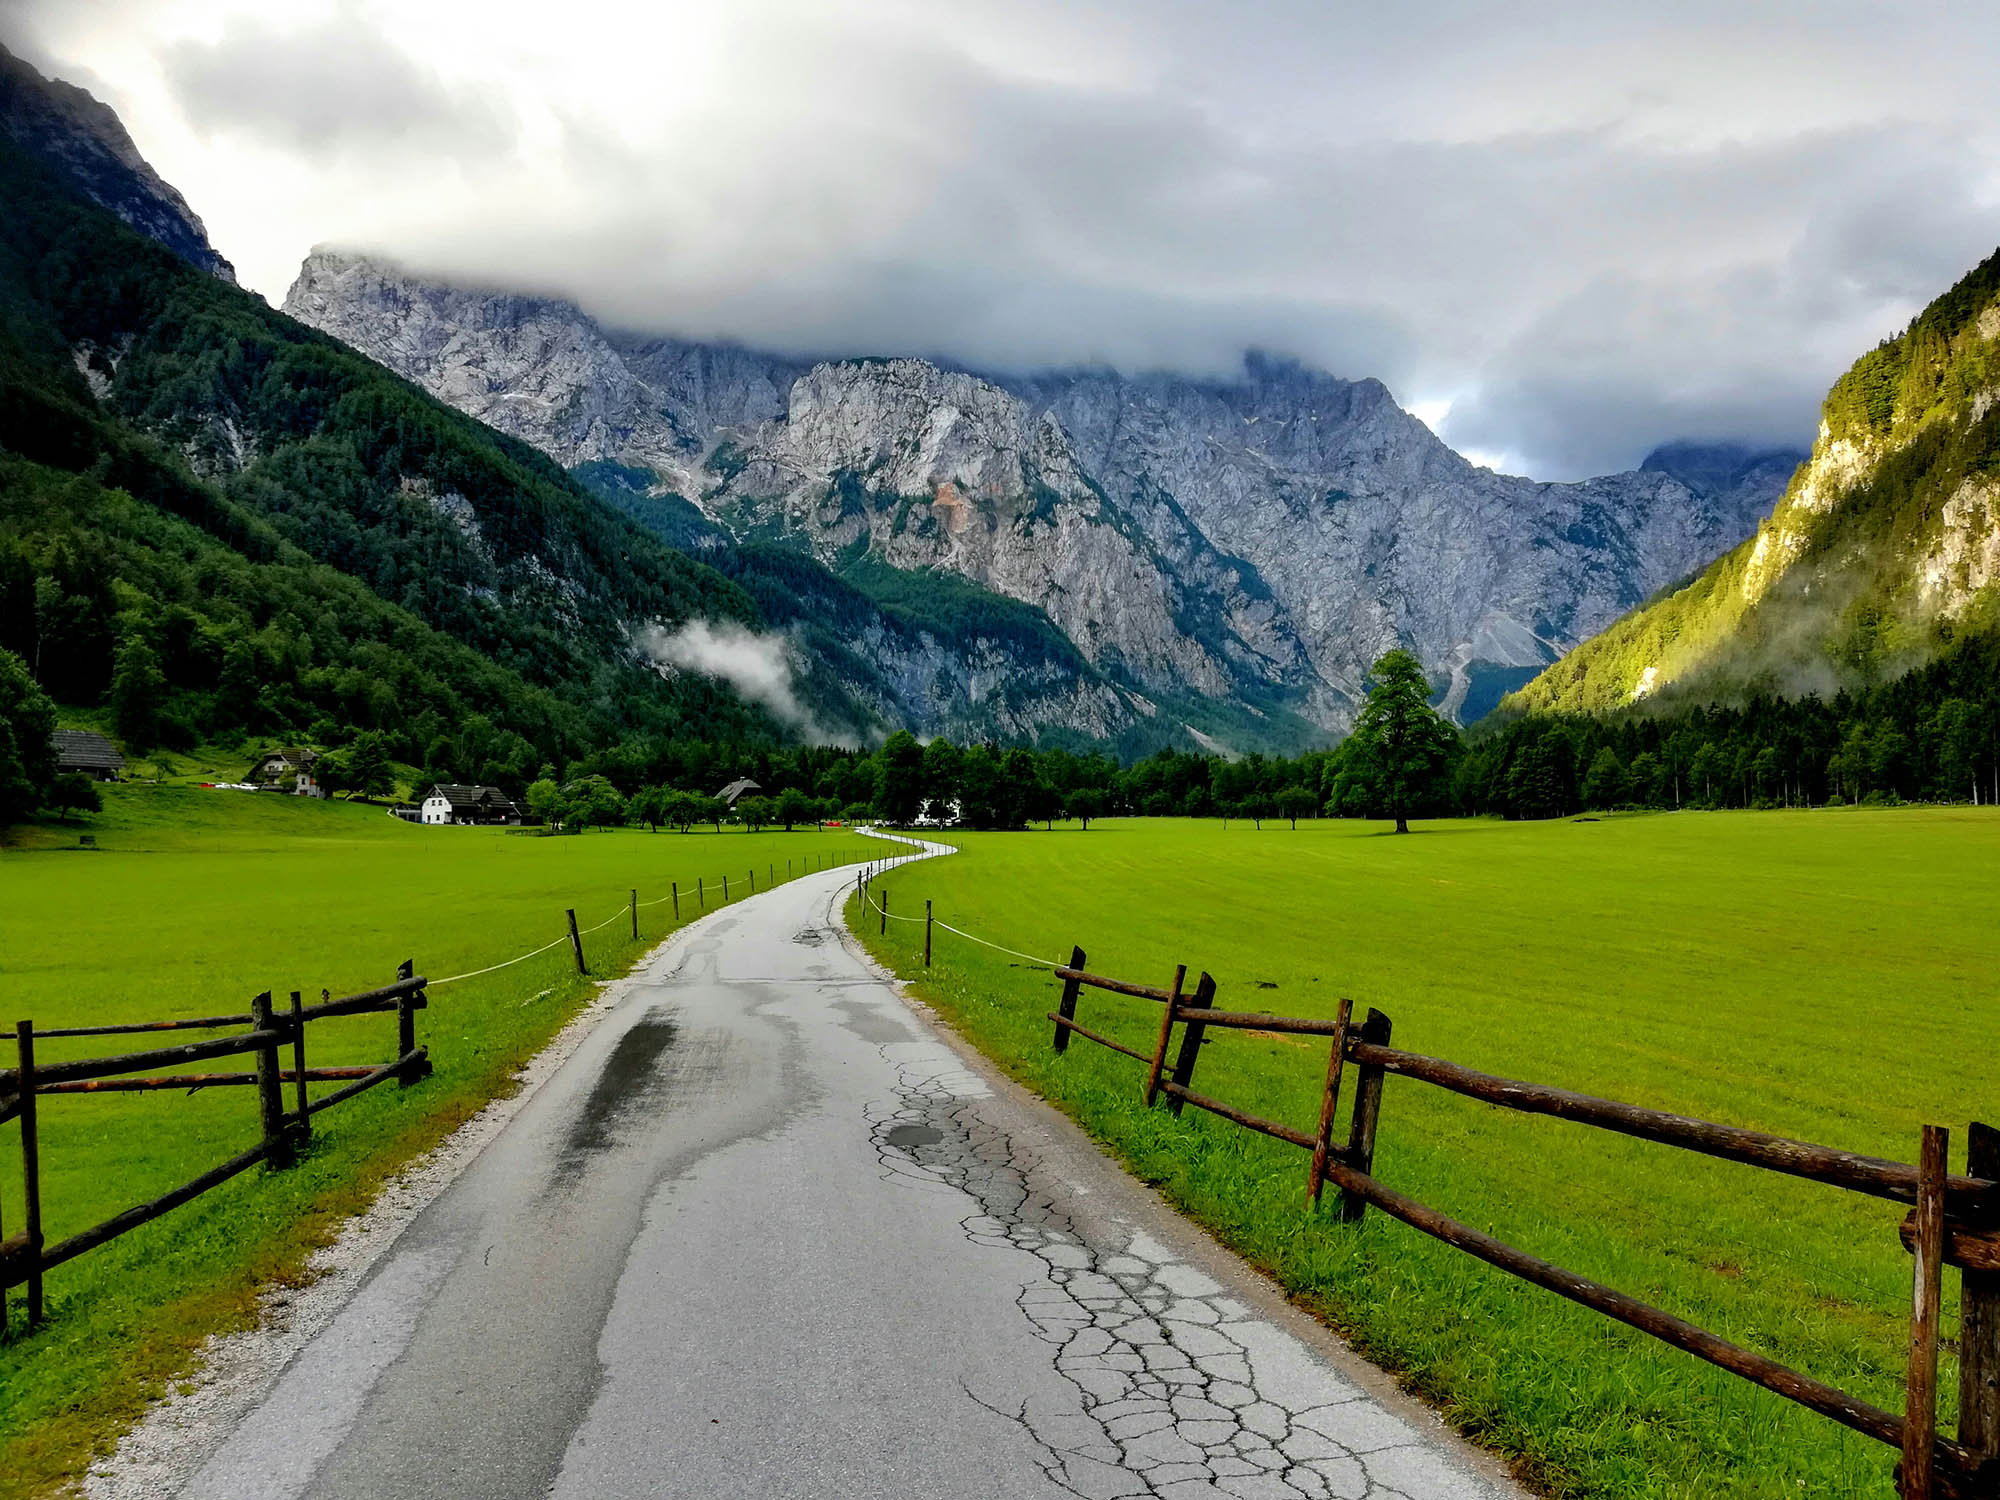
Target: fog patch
(758, 666)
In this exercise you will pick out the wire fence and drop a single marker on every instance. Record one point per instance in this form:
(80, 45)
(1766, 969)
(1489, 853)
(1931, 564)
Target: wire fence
(929, 921)
(702, 886)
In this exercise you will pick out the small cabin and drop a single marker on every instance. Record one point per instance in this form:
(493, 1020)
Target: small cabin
(730, 794)
(451, 802)
(87, 753)
(288, 770)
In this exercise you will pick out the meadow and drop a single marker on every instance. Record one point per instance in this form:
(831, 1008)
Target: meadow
(1828, 975)
(193, 902)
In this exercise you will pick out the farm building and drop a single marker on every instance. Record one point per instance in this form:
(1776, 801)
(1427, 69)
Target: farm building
(87, 752)
(449, 802)
(728, 795)
(288, 770)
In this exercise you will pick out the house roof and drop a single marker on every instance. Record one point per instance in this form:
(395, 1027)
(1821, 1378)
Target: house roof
(85, 750)
(737, 789)
(460, 796)
(292, 756)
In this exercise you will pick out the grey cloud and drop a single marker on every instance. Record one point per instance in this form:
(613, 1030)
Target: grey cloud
(333, 87)
(1591, 228)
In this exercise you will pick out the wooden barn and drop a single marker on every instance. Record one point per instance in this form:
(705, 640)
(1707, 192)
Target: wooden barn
(87, 752)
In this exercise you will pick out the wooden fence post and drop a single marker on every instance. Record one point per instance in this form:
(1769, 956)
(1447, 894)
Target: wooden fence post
(31, 1166)
(635, 916)
(1367, 1110)
(299, 1065)
(753, 882)
(1204, 997)
(1166, 1035)
(1979, 1323)
(927, 932)
(885, 914)
(270, 1089)
(1067, 1008)
(1920, 1397)
(407, 1007)
(725, 890)
(575, 941)
(1329, 1103)
(674, 889)
(700, 894)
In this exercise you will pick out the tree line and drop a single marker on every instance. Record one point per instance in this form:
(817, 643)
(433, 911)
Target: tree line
(1930, 735)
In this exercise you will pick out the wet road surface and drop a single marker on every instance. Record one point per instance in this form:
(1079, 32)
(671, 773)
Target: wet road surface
(766, 1235)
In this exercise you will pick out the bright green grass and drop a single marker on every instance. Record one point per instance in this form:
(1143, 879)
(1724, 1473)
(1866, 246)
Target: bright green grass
(194, 902)
(1828, 975)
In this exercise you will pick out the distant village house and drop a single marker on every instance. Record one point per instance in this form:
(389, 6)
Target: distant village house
(289, 770)
(87, 753)
(448, 802)
(736, 789)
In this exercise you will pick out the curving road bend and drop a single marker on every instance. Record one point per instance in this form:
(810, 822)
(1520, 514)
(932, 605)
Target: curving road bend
(768, 1233)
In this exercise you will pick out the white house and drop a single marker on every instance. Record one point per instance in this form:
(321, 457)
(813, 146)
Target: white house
(449, 802)
(288, 770)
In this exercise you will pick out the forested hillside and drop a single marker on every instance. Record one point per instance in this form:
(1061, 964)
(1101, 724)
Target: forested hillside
(1850, 650)
(213, 519)
(1883, 550)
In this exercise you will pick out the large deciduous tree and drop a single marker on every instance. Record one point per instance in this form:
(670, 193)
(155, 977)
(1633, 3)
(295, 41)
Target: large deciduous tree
(27, 759)
(1406, 744)
(899, 793)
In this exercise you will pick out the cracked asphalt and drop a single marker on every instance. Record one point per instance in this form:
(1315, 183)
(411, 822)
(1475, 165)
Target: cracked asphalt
(770, 1233)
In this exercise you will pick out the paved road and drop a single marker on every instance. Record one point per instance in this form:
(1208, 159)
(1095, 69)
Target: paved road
(766, 1235)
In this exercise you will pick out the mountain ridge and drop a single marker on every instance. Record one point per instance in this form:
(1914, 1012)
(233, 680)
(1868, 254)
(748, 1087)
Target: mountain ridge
(82, 139)
(1883, 548)
(1256, 541)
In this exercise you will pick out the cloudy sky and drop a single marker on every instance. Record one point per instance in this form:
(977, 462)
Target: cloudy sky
(1562, 231)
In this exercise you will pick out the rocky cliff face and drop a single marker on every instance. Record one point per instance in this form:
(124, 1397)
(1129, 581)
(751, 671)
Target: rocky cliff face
(1885, 544)
(1255, 542)
(84, 142)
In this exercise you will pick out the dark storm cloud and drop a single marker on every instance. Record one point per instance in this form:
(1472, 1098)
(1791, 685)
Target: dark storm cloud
(1583, 229)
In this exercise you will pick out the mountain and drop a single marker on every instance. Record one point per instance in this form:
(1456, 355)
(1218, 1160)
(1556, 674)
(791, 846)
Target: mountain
(85, 144)
(246, 421)
(1883, 550)
(1235, 552)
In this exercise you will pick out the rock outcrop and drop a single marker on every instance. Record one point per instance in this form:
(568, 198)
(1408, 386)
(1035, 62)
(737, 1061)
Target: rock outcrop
(1255, 542)
(83, 141)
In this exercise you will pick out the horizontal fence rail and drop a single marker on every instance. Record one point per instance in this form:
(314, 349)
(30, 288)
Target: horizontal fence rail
(25, 1257)
(1954, 1219)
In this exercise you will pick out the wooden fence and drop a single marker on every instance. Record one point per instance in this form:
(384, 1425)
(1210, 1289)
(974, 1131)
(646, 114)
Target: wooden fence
(1953, 1220)
(25, 1258)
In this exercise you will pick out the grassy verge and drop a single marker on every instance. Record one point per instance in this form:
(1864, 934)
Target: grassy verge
(1823, 975)
(196, 900)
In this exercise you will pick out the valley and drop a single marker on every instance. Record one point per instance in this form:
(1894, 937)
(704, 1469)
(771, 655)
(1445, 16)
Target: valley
(763, 548)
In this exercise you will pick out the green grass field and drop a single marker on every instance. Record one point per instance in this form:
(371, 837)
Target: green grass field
(197, 900)
(1827, 975)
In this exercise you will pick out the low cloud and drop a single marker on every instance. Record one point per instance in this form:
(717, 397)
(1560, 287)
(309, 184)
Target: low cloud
(1572, 230)
(329, 88)
(758, 666)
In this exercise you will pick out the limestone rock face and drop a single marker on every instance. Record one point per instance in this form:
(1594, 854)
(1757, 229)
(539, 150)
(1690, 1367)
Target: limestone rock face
(1255, 542)
(83, 141)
